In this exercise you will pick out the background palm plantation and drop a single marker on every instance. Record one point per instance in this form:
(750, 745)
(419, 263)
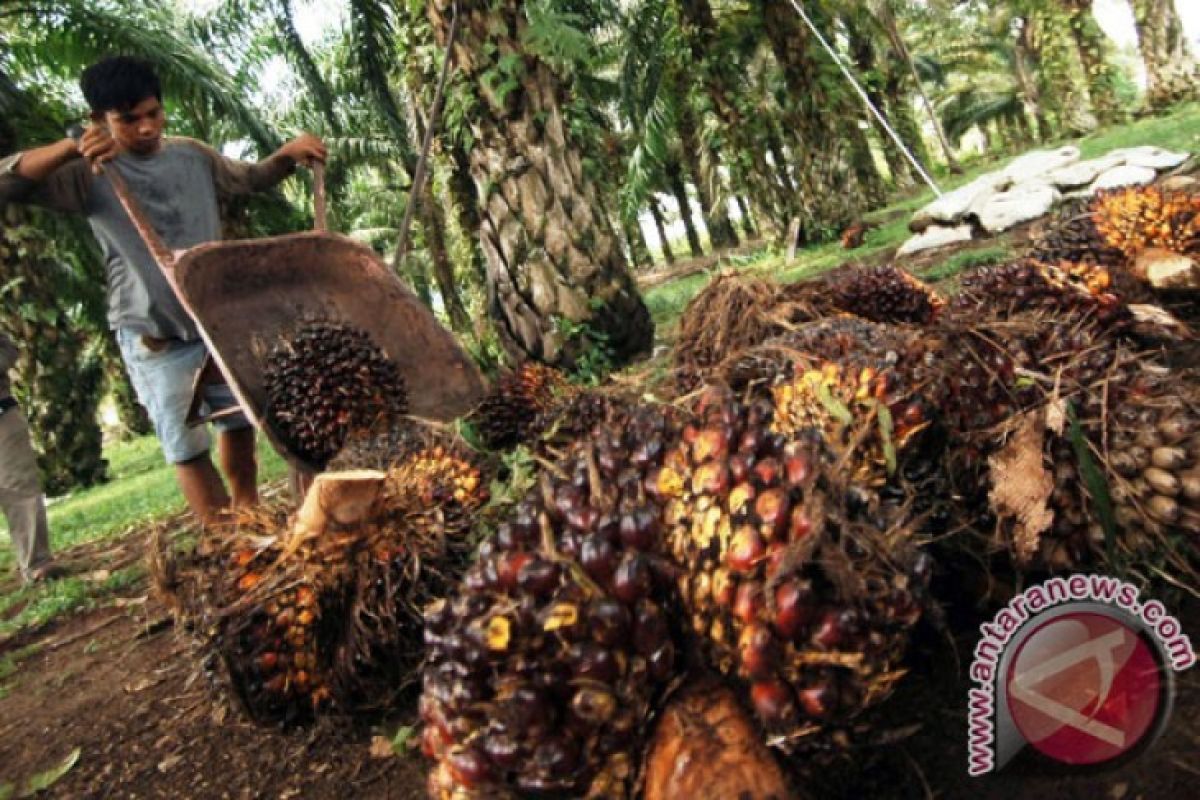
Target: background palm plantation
(574, 134)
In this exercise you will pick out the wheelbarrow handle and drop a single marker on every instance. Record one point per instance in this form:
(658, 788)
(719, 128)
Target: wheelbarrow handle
(154, 243)
(321, 222)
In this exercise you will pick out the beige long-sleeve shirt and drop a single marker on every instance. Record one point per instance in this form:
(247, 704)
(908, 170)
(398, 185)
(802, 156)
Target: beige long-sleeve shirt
(178, 188)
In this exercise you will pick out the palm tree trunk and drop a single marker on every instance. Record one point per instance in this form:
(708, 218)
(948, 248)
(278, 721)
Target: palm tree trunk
(747, 222)
(656, 212)
(716, 218)
(433, 219)
(1090, 44)
(1170, 68)
(887, 18)
(1026, 57)
(552, 256)
(639, 251)
(679, 190)
(466, 207)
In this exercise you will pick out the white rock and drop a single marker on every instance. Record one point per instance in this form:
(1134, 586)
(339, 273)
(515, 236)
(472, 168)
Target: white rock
(935, 236)
(1037, 163)
(950, 207)
(1081, 174)
(1150, 157)
(1019, 204)
(1123, 176)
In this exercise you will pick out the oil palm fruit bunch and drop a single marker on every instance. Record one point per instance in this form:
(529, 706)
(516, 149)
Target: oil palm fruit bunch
(1027, 285)
(544, 664)
(1153, 460)
(325, 381)
(846, 340)
(574, 418)
(886, 294)
(519, 403)
(796, 585)
(414, 548)
(1072, 238)
(1135, 219)
(270, 614)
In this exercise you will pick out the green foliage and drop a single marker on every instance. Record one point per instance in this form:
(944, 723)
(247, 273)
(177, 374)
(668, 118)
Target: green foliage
(968, 259)
(558, 36)
(593, 357)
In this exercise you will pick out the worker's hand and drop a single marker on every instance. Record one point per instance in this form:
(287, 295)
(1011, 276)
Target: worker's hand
(305, 149)
(97, 146)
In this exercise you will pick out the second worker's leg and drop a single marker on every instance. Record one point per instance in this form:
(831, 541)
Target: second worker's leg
(239, 462)
(202, 488)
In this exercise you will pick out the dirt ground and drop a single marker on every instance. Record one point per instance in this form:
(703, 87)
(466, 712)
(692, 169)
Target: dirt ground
(119, 684)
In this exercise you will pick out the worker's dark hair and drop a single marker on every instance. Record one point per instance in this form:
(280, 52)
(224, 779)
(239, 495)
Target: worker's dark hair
(118, 83)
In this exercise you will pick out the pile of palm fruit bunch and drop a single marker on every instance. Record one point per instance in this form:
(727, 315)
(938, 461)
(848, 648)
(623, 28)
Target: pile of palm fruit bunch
(325, 381)
(320, 609)
(538, 406)
(696, 536)
(1145, 238)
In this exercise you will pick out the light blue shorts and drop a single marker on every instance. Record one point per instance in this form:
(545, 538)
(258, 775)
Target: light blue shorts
(163, 380)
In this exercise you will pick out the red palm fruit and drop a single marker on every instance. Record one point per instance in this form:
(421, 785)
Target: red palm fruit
(710, 443)
(756, 651)
(772, 701)
(746, 549)
(818, 701)
(797, 468)
(469, 767)
(748, 601)
(767, 471)
(800, 525)
(792, 610)
(712, 479)
(772, 507)
(509, 568)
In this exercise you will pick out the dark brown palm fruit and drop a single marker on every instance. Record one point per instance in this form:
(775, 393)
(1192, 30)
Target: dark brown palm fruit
(1072, 238)
(1135, 219)
(544, 664)
(801, 587)
(886, 294)
(325, 381)
(574, 418)
(1023, 286)
(853, 342)
(517, 403)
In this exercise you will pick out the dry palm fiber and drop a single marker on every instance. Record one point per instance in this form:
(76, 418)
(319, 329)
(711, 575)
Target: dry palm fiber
(800, 584)
(324, 381)
(544, 664)
(733, 312)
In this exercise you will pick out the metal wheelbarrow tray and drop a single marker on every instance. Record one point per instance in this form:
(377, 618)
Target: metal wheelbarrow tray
(248, 295)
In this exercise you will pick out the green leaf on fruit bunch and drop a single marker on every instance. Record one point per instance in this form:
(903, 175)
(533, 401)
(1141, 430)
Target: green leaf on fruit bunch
(44, 780)
(1094, 482)
(404, 739)
(835, 407)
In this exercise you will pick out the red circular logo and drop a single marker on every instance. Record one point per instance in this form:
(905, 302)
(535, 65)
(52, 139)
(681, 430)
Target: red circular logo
(1084, 688)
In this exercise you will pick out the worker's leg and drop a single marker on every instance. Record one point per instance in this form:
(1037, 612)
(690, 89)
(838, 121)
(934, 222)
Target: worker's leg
(163, 375)
(240, 465)
(239, 461)
(21, 495)
(201, 485)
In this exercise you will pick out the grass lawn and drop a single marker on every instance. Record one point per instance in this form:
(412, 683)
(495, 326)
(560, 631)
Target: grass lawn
(142, 489)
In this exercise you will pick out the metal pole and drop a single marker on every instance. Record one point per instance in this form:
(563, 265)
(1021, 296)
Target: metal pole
(867, 100)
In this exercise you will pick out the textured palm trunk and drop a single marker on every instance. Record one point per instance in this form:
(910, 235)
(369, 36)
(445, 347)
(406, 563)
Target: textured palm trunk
(639, 251)
(1171, 71)
(862, 49)
(716, 216)
(679, 191)
(554, 263)
(1023, 64)
(661, 226)
(747, 222)
(1090, 43)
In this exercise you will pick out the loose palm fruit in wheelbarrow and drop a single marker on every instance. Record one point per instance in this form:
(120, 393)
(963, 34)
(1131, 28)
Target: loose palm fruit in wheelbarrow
(544, 664)
(325, 381)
